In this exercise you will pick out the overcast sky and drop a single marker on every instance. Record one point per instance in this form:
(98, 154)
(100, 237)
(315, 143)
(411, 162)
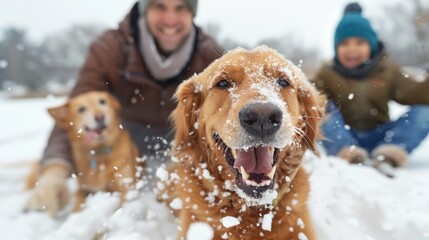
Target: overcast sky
(246, 21)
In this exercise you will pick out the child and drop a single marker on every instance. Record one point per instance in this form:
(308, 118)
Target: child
(359, 83)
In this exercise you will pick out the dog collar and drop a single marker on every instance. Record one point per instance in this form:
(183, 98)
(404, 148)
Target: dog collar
(93, 154)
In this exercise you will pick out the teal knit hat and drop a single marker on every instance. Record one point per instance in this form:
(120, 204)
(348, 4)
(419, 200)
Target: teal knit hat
(192, 4)
(354, 25)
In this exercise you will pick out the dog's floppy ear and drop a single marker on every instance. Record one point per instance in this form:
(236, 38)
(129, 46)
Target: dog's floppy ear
(61, 115)
(185, 115)
(313, 109)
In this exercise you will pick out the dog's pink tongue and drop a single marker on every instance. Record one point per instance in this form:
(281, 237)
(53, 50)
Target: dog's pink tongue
(255, 160)
(90, 136)
(246, 159)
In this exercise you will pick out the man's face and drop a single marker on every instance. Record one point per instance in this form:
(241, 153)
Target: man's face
(170, 22)
(353, 51)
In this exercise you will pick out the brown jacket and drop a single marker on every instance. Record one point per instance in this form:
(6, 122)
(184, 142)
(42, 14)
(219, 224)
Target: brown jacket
(364, 102)
(114, 64)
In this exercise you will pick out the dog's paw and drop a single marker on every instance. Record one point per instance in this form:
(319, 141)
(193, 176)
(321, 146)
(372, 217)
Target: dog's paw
(50, 193)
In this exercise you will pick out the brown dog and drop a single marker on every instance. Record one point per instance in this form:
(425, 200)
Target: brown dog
(242, 128)
(105, 157)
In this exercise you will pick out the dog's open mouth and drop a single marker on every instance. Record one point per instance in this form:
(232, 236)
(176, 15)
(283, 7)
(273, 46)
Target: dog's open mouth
(98, 130)
(97, 134)
(255, 167)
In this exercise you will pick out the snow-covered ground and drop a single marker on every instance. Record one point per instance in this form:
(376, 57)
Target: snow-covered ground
(347, 202)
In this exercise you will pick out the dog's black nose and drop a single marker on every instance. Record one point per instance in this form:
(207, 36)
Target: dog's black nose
(99, 119)
(261, 119)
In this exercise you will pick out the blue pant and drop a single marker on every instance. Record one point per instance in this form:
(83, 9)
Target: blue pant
(407, 131)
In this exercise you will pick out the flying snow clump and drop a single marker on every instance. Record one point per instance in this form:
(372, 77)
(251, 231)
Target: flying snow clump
(200, 231)
(229, 221)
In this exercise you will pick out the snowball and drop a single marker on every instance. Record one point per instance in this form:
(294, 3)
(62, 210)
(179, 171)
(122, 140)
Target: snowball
(351, 96)
(199, 231)
(229, 221)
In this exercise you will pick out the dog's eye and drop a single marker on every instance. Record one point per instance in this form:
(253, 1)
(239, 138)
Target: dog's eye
(81, 109)
(223, 84)
(283, 83)
(102, 101)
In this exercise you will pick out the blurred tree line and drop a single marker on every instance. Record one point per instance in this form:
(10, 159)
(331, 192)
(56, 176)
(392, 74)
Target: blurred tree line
(405, 29)
(52, 65)
(307, 58)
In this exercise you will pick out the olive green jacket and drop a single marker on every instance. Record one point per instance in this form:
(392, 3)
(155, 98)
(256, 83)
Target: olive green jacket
(364, 102)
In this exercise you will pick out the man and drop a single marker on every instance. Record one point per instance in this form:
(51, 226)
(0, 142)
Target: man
(154, 49)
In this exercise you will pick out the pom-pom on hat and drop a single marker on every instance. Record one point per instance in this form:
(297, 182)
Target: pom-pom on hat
(353, 24)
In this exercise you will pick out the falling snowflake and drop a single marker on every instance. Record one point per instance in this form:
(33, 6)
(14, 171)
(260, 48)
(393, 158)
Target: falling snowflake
(3, 63)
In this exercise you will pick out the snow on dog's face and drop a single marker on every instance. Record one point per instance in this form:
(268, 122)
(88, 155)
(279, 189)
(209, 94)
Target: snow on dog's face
(250, 108)
(90, 118)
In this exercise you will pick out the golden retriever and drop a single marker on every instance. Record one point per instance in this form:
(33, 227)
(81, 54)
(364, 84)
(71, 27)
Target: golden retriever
(105, 157)
(242, 128)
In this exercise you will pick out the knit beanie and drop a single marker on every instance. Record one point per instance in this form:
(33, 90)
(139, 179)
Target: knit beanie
(354, 25)
(192, 4)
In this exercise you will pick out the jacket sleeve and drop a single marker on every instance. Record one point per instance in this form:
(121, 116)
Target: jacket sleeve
(321, 84)
(57, 149)
(93, 76)
(406, 90)
(101, 64)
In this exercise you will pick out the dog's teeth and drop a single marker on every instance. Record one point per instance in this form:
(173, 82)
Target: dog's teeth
(265, 183)
(271, 174)
(234, 153)
(244, 173)
(251, 183)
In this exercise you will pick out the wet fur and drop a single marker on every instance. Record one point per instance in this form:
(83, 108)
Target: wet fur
(207, 199)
